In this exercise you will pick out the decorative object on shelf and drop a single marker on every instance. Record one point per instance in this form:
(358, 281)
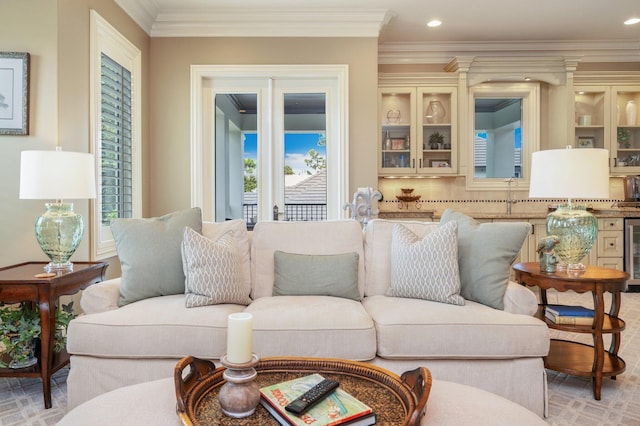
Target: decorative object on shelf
(20, 327)
(387, 141)
(361, 209)
(435, 112)
(632, 113)
(624, 138)
(584, 120)
(440, 164)
(58, 175)
(14, 93)
(571, 173)
(585, 141)
(393, 116)
(546, 257)
(436, 140)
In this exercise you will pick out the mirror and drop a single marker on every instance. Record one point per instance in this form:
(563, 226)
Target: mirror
(505, 118)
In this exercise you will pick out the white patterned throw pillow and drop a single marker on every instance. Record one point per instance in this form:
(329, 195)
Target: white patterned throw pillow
(425, 268)
(213, 270)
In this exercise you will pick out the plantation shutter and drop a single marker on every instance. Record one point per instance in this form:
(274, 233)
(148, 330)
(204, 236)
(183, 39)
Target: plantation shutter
(116, 143)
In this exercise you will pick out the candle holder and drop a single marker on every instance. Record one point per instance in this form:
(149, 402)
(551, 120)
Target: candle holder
(240, 395)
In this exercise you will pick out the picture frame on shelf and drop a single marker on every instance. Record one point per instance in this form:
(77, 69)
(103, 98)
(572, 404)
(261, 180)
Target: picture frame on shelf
(439, 163)
(398, 143)
(586, 141)
(14, 93)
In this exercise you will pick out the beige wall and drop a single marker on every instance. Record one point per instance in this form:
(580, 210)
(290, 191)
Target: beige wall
(56, 34)
(171, 59)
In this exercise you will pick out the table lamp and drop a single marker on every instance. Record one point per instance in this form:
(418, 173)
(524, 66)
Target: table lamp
(571, 173)
(58, 175)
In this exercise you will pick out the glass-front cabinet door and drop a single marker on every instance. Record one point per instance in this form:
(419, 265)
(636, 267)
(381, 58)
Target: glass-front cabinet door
(591, 117)
(417, 131)
(625, 131)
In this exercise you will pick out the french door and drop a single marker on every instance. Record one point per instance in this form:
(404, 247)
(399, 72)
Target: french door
(270, 142)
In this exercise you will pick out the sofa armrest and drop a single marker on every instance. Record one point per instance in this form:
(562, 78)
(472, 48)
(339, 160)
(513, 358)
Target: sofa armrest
(101, 297)
(518, 299)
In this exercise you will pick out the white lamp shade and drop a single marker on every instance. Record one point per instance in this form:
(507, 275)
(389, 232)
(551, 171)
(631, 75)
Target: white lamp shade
(57, 175)
(570, 173)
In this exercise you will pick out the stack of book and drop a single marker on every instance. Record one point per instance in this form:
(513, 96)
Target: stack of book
(338, 408)
(569, 315)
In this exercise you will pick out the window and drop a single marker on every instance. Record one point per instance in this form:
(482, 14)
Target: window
(115, 114)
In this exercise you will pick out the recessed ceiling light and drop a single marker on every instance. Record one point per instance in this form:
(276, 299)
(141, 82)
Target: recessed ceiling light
(434, 23)
(632, 21)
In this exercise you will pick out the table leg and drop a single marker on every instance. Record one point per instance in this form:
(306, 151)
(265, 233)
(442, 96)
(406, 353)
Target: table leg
(47, 324)
(614, 310)
(598, 345)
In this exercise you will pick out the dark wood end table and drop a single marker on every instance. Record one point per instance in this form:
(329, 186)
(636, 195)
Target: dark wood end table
(18, 283)
(572, 357)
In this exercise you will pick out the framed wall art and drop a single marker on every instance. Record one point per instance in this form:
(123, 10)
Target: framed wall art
(14, 93)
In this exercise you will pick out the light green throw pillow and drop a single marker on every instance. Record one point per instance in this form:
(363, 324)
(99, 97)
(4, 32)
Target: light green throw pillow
(485, 254)
(150, 256)
(319, 275)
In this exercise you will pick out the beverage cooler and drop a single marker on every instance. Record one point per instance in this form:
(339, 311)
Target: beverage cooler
(632, 252)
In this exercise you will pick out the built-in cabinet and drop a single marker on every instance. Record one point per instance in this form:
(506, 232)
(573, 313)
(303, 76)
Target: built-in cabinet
(418, 131)
(607, 117)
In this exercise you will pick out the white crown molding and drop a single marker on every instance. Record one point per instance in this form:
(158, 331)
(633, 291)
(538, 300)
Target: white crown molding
(444, 52)
(241, 22)
(143, 12)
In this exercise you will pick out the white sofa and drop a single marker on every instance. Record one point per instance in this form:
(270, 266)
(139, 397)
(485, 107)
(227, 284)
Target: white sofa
(497, 350)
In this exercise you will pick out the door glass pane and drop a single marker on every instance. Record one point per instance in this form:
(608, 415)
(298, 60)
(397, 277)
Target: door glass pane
(236, 163)
(305, 158)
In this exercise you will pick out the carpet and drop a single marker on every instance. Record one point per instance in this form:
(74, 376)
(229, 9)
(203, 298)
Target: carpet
(570, 398)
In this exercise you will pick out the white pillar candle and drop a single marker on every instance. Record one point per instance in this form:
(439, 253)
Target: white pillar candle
(239, 338)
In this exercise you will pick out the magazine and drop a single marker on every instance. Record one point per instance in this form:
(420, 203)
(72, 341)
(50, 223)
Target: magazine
(339, 408)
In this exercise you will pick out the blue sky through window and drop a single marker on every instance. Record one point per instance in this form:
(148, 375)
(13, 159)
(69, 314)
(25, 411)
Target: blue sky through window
(296, 146)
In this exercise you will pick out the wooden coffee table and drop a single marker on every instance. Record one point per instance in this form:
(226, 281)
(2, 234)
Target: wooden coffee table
(395, 400)
(572, 357)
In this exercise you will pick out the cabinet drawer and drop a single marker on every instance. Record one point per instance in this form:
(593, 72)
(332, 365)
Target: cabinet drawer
(611, 224)
(611, 263)
(610, 244)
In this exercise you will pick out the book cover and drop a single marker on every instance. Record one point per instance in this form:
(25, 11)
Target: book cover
(569, 311)
(339, 408)
(568, 320)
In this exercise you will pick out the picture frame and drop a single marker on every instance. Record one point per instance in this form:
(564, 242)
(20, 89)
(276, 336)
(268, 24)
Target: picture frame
(398, 143)
(586, 141)
(439, 163)
(14, 93)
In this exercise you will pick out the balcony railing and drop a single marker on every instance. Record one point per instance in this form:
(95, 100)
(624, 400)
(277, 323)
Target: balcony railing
(293, 212)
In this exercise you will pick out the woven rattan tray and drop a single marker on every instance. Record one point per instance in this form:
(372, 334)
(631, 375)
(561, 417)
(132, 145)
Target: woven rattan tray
(395, 400)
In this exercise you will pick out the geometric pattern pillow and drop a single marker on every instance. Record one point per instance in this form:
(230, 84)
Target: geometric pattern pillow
(212, 270)
(425, 268)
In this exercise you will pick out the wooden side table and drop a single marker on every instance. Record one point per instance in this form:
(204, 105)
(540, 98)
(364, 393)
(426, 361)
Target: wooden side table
(18, 283)
(573, 357)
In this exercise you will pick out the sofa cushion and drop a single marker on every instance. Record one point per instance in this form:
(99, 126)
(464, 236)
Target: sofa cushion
(485, 254)
(149, 253)
(326, 237)
(158, 327)
(377, 251)
(319, 275)
(422, 329)
(425, 268)
(312, 326)
(238, 231)
(212, 270)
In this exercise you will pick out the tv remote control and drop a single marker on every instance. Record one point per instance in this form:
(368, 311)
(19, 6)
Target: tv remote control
(311, 397)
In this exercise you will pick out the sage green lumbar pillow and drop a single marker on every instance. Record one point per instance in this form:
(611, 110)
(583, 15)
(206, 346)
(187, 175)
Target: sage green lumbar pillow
(317, 275)
(485, 254)
(150, 255)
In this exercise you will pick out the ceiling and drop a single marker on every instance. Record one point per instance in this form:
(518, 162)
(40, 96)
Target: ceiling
(591, 27)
